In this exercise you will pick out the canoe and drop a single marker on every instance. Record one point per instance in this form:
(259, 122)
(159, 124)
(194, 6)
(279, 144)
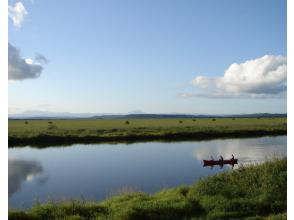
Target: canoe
(219, 162)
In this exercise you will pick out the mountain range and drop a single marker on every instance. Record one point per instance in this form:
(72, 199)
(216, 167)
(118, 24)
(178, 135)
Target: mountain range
(137, 114)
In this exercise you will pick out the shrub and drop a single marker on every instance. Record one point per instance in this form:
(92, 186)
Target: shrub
(180, 122)
(127, 122)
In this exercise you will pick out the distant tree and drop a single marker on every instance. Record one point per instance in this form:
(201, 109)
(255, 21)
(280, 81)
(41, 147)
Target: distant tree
(127, 122)
(213, 119)
(50, 122)
(26, 122)
(233, 118)
(194, 120)
(180, 122)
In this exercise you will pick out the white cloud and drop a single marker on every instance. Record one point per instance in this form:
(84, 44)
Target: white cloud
(20, 68)
(264, 77)
(17, 13)
(224, 95)
(29, 61)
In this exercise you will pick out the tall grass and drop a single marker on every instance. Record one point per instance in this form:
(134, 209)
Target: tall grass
(41, 132)
(251, 192)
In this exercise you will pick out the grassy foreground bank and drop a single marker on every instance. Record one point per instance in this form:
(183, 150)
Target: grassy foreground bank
(252, 192)
(55, 132)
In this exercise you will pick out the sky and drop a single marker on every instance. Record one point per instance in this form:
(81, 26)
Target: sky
(167, 56)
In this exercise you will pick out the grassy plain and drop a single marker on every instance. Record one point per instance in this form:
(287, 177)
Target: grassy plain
(251, 192)
(47, 132)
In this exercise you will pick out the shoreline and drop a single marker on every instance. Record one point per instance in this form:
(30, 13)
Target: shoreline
(45, 140)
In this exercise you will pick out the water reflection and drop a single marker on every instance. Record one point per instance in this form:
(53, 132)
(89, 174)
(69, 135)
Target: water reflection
(220, 166)
(249, 151)
(20, 171)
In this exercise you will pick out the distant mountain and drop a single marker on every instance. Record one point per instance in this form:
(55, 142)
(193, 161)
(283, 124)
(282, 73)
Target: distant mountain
(52, 115)
(258, 115)
(143, 116)
(137, 114)
(160, 116)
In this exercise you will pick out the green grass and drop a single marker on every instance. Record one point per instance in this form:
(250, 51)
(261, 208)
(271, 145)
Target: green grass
(251, 192)
(38, 132)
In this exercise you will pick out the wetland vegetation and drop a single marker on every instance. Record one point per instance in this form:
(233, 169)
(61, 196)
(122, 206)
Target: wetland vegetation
(56, 132)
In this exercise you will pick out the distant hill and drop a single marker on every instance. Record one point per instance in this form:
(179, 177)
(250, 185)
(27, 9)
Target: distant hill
(160, 116)
(52, 115)
(138, 115)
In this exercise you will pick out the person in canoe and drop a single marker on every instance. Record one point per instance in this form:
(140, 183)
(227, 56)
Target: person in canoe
(221, 159)
(232, 157)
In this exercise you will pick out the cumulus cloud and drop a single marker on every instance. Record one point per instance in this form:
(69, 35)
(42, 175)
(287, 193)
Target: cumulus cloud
(20, 68)
(17, 13)
(264, 77)
(223, 95)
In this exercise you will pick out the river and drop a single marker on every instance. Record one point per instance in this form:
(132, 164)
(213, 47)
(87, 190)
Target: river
(97, 171)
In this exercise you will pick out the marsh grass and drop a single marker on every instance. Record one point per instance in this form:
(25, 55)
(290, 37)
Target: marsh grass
(39, 132)
(249, 192)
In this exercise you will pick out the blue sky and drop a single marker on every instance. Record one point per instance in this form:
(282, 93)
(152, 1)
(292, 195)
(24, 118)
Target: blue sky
(118, 56)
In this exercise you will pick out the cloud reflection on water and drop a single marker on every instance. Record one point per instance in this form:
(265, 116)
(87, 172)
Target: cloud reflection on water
(247, 151)
(22, 170)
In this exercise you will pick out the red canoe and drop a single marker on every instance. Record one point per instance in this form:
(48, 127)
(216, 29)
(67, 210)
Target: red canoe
(219, 162)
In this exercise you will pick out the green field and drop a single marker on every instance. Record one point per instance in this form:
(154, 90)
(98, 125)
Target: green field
(46, 132)
(252, 192)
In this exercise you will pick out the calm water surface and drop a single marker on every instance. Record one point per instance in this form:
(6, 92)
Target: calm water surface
(97, 171)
